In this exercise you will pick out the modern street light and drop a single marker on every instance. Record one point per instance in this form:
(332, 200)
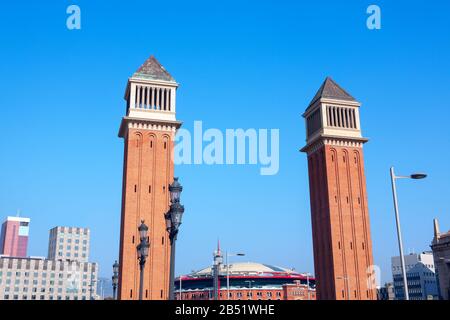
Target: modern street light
(115, 279)
(227, 255)
(142, 251)
(173, 222)
(415, 176)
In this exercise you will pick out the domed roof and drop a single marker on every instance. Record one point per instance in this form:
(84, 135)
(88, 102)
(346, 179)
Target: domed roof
(246, 268)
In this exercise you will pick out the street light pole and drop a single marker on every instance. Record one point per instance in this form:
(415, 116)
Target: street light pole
(142, 249)
(397, 221)
(228, 269)
(179, 296)
(172, 266)
(115, 279)
(173, 222)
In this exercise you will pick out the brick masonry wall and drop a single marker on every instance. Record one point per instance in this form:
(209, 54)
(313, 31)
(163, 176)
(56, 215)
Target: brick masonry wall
(340, 221)
(148, 171)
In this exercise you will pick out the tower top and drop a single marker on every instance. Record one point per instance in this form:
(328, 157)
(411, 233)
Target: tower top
(331, 90)
(150, 96)
(151, 69)
(332, 114)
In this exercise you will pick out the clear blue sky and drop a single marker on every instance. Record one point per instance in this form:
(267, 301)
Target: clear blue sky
(240, 64)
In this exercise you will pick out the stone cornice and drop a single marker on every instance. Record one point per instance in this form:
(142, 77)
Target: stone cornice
(146, 124)
(338, 141)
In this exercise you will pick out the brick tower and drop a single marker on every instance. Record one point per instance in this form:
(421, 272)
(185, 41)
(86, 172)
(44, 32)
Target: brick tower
(148, 129)
(339, 212)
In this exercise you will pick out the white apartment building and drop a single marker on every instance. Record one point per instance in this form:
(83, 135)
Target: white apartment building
(65, 275)
(37, 278)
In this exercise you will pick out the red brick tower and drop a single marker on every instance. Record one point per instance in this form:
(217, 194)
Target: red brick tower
(148, 130)
(339, 212)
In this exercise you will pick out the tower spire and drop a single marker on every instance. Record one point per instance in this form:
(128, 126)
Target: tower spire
(151, 69)
(331, 90)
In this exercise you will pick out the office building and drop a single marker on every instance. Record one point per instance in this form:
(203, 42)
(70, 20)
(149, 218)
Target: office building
(386, 292)
(420, 274)
(69, 243)
(14, 237)
(37, 278)
(60, 277)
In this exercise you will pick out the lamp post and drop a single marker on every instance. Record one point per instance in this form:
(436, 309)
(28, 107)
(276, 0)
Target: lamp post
(173, 222)
(142, 251)
(115, 278)
(228, 269)
(414, 176)
(181, 287)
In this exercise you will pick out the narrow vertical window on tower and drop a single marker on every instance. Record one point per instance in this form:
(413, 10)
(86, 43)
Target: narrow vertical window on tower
(170, 100)
(144, 101)
(165, 99)
(150, 98)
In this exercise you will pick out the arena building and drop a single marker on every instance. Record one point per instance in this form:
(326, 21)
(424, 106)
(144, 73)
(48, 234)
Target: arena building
(247, 281)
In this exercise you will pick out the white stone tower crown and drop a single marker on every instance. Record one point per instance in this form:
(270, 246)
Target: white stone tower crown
(332, 113)
(150, 96)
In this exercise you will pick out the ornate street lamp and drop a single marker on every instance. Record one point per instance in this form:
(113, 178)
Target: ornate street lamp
(227, 255)
(173, 222)
(115, 279)
(142, 251)
(175, 190)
